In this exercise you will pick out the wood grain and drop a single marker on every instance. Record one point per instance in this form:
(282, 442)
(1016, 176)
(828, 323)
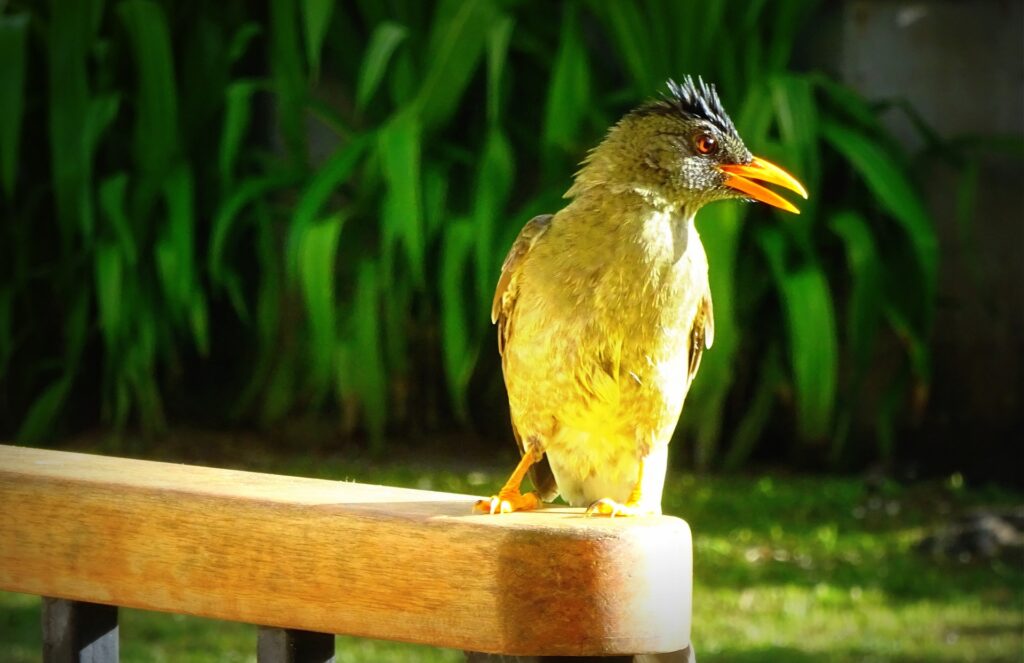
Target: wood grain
(340, 557)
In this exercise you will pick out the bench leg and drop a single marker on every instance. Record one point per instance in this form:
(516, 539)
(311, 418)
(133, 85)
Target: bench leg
(79, 632)
(285, 645)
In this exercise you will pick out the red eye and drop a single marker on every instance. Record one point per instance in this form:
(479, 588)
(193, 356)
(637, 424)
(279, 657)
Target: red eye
(706, 144)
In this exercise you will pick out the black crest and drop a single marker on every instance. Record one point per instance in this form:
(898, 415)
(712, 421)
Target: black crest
(692, 100)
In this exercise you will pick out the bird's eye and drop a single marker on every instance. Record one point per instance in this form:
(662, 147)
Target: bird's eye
(706, 144)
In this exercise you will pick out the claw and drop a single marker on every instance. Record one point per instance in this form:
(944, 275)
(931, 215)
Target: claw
(507, 502)
(609, 507)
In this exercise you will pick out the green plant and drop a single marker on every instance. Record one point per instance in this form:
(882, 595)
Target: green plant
(315, 199)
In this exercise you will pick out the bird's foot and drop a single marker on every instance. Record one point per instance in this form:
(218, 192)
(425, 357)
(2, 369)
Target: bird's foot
(507, 502)
(609, 507)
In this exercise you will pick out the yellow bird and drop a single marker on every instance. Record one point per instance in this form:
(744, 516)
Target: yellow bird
(603, 309)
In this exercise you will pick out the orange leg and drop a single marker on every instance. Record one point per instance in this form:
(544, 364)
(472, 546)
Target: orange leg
(509, 498)
(634, 505)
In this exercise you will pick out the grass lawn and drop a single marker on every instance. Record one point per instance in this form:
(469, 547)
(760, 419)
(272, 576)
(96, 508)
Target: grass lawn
(794, 568)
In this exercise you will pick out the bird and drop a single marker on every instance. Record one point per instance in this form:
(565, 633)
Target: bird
(603, 309)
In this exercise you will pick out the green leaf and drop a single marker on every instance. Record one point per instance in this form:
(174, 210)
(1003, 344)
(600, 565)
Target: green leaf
(867, 293)
(371, 373)
(569, 97)
(631, 36)
(44, 413)
(497, 54)
(336, 170)
(811, 328)
(176, 248)
(290, 80)
(156, 103)
(494, 183)
(457, 38)
(797, 117)
(893, 190)
(398, 148)
(317, 255)
(237, 110)
(109, 294)
(13, 29)
(456, 323)
(112, 204)
(69, 39)
(241, 39)
(386, 38)
(316, 15)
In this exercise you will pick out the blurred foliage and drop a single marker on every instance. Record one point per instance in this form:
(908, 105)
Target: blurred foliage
(286, 208)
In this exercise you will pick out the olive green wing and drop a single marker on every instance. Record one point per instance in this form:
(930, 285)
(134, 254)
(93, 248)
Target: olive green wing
(702, 333)
(506, 294)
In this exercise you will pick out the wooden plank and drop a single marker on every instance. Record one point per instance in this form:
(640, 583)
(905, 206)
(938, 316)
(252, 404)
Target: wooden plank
(79, 632)
(286, 645)
(340, 557)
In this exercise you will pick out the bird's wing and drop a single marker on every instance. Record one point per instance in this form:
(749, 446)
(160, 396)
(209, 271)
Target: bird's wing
(502, 309)
(702, 334)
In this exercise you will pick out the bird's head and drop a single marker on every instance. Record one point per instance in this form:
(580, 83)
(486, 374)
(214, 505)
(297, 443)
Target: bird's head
(683, 151)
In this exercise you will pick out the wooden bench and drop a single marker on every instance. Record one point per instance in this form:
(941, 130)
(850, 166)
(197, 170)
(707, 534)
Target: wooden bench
(305, 558)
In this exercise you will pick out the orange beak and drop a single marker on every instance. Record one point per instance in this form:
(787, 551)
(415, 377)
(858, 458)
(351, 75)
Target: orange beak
(739, 177)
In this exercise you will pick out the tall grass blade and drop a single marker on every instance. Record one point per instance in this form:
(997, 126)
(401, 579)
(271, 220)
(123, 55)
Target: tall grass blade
(290, 81)
(456, 322)
(372, 374)
(811, 328)
(156, 103)
(109, 293)
(386, 38)
(890, 186)
(498, 38)
(398, 149)
(569, 97)
(457, 38)
(316, 18)
(494, 182)
(318, 250)
(112, 204)
(331, 174)
(68, 41)
(237, 111)
(13, 29)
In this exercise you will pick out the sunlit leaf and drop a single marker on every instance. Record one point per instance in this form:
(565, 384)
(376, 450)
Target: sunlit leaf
(317, 255)
(889, 184)
(811, 328)
(457, 37)
(497, 54)
(399, 145)
(494, 182)
(569, 96)
(456, 322)
(316, 15)
(386, 38)
(331, 174)
(238, 107)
